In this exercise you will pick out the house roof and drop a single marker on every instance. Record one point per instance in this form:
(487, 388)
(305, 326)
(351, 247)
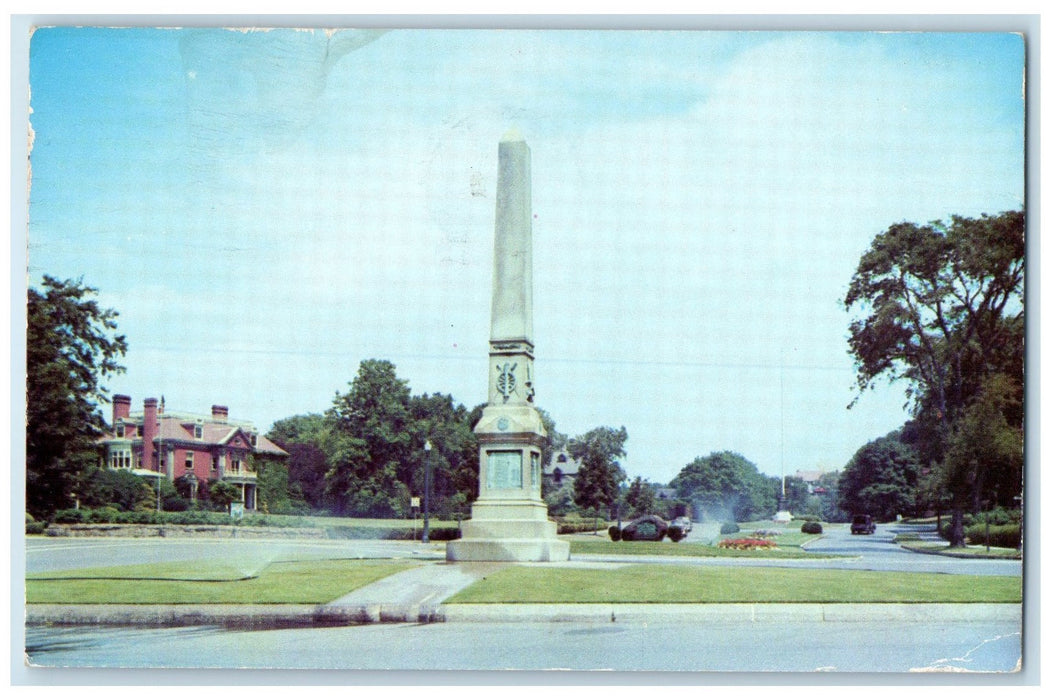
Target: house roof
(178, 427)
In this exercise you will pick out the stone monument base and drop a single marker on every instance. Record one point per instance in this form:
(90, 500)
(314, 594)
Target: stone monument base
(508, 530)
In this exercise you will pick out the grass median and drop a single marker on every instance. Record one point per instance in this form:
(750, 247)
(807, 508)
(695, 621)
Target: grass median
(210, 582)
(695, 584)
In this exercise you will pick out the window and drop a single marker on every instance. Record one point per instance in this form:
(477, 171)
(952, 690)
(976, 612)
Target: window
(189, 461)
(235, 466)
(118, 429)
(198, 430)
(215, 463)
(138, 430)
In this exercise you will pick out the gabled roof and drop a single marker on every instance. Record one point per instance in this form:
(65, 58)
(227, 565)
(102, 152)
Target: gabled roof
(176, 428)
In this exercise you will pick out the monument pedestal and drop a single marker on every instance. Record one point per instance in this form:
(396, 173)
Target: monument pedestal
(501, 536)
(509, 520)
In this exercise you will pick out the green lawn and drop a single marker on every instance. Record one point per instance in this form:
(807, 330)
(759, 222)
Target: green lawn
(318, 581)
(718, 584)
(376, 523)
(968, 552)
(597, 545)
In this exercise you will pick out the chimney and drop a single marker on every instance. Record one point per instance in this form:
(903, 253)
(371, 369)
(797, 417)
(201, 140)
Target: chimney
(220, 413)
(149, 432)
(121, 408)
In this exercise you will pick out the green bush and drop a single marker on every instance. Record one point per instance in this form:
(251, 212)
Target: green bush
(35, 527)
(69, 516)
(570, 528)
(729, 528)
(106, 514)
(997, 516)
(1009, 536)
(811, 527)
(614, 533)
(675, 533)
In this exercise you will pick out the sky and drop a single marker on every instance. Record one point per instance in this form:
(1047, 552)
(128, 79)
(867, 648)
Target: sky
(266, 209)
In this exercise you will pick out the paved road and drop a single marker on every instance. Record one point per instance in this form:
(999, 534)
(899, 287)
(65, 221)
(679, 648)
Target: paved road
(895, 647)
(58, 554)
(871, 552)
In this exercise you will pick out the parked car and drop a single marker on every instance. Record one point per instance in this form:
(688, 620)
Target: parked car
(650, 528)
(862, 525)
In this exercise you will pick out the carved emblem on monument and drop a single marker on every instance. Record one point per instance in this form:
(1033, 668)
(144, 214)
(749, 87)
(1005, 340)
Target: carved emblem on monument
(506, 384)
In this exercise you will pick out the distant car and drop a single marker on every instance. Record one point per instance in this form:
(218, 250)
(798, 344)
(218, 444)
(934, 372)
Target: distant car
(649, 528)
(679, 528)
(862, 525)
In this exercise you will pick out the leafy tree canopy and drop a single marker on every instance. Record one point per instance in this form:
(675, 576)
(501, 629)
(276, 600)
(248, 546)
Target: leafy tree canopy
(727, 486)
(71, 346)
(598, 479)
(880, 479)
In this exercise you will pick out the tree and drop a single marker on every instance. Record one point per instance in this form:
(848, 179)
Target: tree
(942, 308)
(454, 456)
(223, 493)
(118, 488)
(70, 349)
(302, 437)
(640, 498)
(797, 495)
(727, 486)
(598, 479)
(880, 479)
(371, 439)
(985, 452)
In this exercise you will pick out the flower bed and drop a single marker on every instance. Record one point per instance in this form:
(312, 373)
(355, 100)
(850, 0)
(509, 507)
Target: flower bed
(747, 543)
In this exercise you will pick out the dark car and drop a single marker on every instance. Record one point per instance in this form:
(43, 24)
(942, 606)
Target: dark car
(862, 525)
(649, 528)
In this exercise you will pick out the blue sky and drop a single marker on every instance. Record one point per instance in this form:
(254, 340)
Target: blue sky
(267, 209)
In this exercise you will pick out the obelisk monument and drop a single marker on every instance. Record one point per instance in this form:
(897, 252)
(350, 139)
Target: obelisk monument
(509, 519)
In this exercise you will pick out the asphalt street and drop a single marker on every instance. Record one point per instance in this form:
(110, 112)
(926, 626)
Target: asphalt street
(875, 552)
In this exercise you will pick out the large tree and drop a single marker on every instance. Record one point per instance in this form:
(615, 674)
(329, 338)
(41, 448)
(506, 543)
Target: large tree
(302, 437)
(597, 484)
(880, 479)
(727, 486)
(71, 346)
(941, 307)
(371, 441)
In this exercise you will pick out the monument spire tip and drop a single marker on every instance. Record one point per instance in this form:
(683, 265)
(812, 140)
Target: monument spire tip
(512, 134)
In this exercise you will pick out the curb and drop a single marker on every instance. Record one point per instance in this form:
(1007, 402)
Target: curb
(957, 555)
(246, 616)
(228, 615)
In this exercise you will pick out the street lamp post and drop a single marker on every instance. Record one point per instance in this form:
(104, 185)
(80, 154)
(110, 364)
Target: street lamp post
(427, 493)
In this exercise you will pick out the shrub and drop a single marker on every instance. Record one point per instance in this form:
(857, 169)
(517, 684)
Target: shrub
(766, 533)
(812, 527)
(1009, 536)
(69, 516)
(35, 527)
(106, 514)
(568, 528)
(614, 533)
(675, 533)
(997, 516)
(729, 528)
